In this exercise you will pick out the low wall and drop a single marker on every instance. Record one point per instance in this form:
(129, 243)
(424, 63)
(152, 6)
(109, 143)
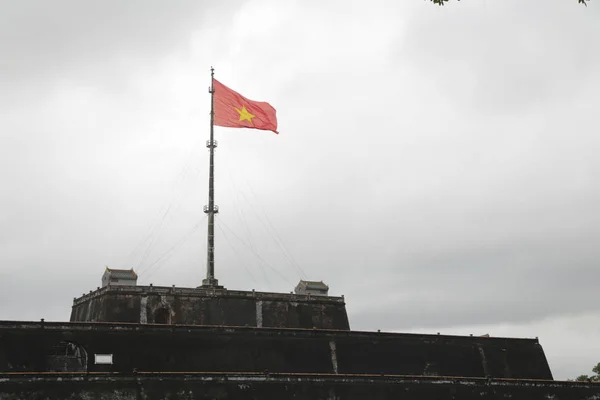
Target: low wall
(148, 304)
(37, 347)
(279, 386)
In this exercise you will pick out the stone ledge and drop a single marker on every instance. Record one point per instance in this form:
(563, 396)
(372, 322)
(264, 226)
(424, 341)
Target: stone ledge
(204, 292)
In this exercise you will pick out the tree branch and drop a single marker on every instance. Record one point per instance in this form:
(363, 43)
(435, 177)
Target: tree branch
(442, 2)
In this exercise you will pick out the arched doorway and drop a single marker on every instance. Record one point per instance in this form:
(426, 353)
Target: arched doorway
(162, 316)
(67, 356)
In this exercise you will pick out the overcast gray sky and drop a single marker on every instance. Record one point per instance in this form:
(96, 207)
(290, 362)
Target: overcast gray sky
(435, 164)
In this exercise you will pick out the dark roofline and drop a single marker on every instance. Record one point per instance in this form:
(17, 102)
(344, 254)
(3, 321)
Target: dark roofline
(122, 271)
(316, 283)
(188, 328)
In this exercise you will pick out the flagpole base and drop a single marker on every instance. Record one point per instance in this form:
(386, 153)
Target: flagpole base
(210, 283)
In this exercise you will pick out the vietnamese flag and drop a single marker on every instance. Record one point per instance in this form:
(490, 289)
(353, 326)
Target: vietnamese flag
(235, 111)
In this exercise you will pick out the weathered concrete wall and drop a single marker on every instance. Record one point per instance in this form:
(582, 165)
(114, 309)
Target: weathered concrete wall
(280, 386)
(28, 346)
(147, 304)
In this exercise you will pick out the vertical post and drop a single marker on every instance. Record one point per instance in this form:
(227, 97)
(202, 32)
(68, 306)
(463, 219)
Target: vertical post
(211, 209)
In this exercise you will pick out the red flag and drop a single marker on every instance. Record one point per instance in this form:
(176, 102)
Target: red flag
(235, 111)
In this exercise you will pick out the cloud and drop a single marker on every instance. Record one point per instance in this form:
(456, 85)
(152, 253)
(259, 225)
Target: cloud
(499, 57)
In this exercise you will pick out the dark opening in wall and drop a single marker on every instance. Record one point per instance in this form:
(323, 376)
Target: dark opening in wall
(67, 357)
(162, 316)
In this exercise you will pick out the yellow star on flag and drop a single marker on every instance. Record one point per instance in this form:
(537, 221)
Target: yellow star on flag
(244, 114)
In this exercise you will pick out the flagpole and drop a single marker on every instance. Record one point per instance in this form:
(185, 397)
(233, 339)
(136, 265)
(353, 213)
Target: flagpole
(211, 209)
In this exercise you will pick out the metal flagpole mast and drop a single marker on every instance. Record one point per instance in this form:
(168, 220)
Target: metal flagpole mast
(211, 209)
